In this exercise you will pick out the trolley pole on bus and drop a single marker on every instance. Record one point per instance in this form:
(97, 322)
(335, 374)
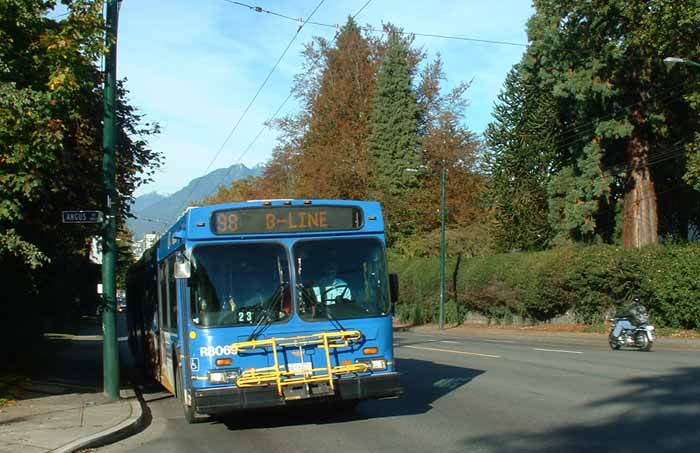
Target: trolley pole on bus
(110, 351)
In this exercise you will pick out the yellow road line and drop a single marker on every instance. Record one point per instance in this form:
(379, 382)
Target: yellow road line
(453, 351)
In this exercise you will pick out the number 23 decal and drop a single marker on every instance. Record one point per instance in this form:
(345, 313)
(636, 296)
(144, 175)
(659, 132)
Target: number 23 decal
(245, 316)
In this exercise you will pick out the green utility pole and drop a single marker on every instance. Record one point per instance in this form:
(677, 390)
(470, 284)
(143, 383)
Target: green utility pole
(442, 246)
(110, 351)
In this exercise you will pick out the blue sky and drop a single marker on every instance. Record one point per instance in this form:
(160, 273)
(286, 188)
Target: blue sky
(193, 66)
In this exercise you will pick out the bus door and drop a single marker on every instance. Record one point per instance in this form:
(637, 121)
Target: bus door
(168, 317)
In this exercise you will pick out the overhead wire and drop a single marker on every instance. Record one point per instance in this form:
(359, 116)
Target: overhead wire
(289, 96)
(575, 133)
(377, 30)
(245, 112)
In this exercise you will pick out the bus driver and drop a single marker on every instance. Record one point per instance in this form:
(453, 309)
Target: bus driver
(331, 288)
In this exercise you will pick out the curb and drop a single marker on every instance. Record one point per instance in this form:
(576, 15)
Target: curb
(402, 328)
(132, 425)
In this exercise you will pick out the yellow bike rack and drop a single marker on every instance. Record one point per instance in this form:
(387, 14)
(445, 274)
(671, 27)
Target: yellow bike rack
(256, 377)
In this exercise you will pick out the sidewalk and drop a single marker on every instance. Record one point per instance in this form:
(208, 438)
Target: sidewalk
(61, 407)
(55, 418)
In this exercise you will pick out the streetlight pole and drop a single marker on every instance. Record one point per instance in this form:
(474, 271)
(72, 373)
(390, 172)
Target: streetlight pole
(110, 351)
(443, 247)
(443, 180)
(674, 60)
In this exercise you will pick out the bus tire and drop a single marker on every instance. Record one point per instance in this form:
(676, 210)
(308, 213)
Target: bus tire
(191, 415)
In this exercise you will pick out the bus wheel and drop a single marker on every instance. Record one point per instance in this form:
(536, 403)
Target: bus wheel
(191, 415)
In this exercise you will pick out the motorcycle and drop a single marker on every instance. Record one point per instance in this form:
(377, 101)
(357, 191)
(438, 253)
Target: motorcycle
(641, 336)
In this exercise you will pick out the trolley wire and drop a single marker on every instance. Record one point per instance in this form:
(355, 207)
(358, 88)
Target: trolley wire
(250, 104)
(258, 9)
(267, 123)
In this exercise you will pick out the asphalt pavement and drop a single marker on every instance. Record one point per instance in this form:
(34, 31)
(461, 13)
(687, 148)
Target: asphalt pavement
(476, 391)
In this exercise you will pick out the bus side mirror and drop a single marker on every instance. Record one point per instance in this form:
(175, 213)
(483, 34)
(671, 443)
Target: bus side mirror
(182, 267)
(394, 290)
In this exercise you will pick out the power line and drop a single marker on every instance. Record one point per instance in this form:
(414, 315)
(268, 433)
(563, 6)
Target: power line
(289, 96)
(361, 9)
(148, 219)
(377, 30)
(296, 34)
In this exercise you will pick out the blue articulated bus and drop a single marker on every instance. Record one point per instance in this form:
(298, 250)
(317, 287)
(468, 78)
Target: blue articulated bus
(265, 303)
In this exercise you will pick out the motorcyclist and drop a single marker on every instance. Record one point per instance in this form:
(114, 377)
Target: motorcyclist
(635, 313)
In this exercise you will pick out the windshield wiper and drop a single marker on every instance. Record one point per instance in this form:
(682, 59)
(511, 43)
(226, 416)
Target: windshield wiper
(331, 317)
(266, 313)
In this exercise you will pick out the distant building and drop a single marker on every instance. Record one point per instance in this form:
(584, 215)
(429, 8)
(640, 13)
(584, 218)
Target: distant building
(144, 244)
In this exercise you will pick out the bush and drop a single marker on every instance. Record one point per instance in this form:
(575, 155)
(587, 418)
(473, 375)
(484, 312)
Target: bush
(590, 282)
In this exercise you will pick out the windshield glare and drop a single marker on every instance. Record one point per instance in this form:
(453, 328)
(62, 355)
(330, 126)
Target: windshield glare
(341, 279)
(236, 284)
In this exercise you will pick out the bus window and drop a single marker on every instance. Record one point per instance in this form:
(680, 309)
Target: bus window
(238, 284)
(172, 294)
(162, 296)
(341, 278)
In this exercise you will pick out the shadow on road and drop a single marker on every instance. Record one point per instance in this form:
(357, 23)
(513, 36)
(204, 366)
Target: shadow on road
(424, 382)
(659, 413)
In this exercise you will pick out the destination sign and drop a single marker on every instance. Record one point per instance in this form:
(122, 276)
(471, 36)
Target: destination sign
(286, 219)
(82, 216)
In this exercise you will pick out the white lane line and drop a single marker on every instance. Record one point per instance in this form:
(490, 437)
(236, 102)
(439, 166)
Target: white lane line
(499, 341)
(450, 342)
(453, 351)
(422, 335)
(558, 350)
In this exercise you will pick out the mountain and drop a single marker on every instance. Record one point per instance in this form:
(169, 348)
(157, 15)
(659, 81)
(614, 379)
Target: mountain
(145, 201)
(156, 212)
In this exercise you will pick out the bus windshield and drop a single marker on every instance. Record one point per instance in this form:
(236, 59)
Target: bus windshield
(239, 284)
(341, 279)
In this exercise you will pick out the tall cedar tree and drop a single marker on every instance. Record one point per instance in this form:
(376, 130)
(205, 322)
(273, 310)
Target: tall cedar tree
(447, 141)
(628, 117)
(333, 157)
(393, 145)
(308, 162)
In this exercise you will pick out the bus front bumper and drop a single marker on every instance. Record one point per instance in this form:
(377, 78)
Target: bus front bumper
(221, 400)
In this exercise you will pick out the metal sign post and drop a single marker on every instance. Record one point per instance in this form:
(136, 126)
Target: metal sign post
(109, 249)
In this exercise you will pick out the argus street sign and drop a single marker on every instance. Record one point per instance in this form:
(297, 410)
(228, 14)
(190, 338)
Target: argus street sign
(82, 217)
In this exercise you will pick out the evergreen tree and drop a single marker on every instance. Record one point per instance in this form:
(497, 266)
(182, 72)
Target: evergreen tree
(393, 142)
(446, 141)
(333, 151)
(522, 142)
(625, 113)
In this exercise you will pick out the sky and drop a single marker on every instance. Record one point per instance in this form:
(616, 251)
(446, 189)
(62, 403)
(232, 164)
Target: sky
(195, 65)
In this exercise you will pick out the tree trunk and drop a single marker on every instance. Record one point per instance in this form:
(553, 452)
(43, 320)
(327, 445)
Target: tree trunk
(641, 223)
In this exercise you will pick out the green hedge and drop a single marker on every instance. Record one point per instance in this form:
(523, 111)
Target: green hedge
(588, 282)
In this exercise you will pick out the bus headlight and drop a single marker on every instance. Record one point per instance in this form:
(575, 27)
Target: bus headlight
(224, 376)
(375, 364)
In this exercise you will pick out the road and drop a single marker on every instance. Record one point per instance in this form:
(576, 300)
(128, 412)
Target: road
(477, 394)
